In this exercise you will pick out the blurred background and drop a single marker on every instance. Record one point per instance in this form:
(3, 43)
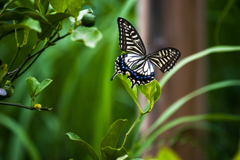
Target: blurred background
(86, 102)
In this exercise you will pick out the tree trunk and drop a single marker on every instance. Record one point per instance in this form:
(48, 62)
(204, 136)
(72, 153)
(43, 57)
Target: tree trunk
(178, 24)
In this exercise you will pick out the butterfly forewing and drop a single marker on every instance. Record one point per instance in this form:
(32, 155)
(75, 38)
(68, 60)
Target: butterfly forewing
(129, 39)
(165, 59)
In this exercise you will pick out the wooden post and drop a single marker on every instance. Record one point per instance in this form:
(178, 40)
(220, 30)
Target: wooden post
(178, 24)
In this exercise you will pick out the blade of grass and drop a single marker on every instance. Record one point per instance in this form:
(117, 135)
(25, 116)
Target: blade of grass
(18, 130)
(215, 49)
(185, 119)
(175, 106)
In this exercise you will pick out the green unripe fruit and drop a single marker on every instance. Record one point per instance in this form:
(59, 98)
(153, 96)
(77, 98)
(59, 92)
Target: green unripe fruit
(88, 20)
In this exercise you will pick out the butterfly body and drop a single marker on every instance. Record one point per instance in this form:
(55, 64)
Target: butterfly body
(138, 64)
(124, 65)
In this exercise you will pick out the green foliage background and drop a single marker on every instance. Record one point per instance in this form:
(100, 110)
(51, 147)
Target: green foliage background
(83, 98)
(85, 102)
(223, 136)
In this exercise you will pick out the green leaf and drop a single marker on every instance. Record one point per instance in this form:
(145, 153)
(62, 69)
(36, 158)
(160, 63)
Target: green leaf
(152, 91)
(84, 145)
(26, 23)
(32, 84)
(54, 20)
(59, 5)
(8, 3)
(127, 83)
(74, 6)
(89, 36)
(166, 153)
(3, 72)
(42, 85)
(19, 12)
(113, 153)
(113, 134)
(41, 6)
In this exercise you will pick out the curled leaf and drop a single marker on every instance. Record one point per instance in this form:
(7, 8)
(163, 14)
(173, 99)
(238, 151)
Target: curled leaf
(89, 36)
(152, 91)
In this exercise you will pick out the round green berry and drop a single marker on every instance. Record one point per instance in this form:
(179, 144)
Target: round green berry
(88, 20)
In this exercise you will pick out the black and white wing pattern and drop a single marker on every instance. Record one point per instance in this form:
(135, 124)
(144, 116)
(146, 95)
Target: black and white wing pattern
(165, 59)
(129, 39)
(138, 65)
(140, 71)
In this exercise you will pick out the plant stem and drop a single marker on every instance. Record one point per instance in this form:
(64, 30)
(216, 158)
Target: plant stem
(29, 57)
(139, 108)
(133, 125)
(22, 106)
(14, 58)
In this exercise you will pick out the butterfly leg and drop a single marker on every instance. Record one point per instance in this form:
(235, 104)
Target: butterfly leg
(114, 75)
(133, 84)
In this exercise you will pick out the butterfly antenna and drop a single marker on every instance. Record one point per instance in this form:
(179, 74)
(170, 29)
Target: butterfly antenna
(148, 48)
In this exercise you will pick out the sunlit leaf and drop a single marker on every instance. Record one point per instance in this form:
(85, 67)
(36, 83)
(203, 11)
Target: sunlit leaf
(59, 5)
(42, 85)
(74, 6)
(112, 137)
(109, 153)
(123, 157)
(127, 84)
(89, 36)
(84, 145)
(26, 23)
(32, 84)
(166, 153)
(152, 91)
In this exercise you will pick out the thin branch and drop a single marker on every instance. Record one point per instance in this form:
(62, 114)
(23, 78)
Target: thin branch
(22, 106)
(29, 57)
(10, 74)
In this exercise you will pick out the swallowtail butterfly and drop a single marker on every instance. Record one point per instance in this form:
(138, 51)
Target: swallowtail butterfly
(138, 64)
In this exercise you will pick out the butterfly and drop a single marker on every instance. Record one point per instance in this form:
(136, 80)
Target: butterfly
(138, 64)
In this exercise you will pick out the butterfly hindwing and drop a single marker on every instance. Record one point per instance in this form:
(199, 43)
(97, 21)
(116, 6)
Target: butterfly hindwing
(139, 71)
(165, 58)
(129, 39)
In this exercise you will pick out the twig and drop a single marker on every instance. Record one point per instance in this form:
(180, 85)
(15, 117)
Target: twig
(22, 106)
(10, 74)
(29, 57)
